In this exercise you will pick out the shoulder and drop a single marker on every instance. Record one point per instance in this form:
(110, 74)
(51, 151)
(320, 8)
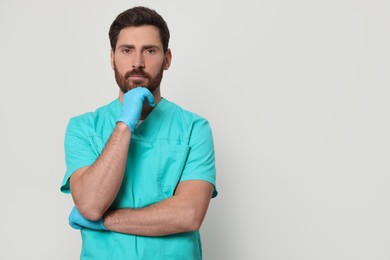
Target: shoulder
(92, 120)
(184, 123)
(99, 112)
(183, 115)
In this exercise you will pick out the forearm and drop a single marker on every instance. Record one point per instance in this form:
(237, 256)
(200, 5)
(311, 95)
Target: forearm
(184, 212)
(95, 188)
(156, 220)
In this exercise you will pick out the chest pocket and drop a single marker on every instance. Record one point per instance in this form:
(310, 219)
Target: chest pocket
(152, 173)
(173, 158)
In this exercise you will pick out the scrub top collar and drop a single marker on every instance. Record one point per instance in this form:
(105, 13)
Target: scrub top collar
(151, 124)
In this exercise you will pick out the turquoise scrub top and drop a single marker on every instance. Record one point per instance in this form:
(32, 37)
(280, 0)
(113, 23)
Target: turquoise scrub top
(170, 146)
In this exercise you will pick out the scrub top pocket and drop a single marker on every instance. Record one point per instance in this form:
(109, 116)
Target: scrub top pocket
(172, 160)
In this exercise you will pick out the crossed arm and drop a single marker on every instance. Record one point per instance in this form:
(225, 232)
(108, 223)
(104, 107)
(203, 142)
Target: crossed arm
(183, 212)
(94, 188)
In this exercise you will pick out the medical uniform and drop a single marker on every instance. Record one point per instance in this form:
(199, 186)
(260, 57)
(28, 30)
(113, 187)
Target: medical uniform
(171, 145)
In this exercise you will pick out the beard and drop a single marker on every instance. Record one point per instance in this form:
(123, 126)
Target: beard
(125, 84)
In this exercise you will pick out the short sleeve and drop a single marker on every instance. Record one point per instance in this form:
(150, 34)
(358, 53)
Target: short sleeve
(200, 164)
(78, 151)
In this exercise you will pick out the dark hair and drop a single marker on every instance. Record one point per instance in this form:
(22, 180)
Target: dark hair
(138, 16)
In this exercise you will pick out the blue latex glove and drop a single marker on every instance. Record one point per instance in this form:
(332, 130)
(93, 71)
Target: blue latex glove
(132, 104)
(77, 221)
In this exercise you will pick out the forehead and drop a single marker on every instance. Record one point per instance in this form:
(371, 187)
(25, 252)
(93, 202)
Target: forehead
(139, 35)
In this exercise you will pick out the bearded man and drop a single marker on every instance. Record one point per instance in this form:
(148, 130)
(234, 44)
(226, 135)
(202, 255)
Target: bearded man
(141, 169)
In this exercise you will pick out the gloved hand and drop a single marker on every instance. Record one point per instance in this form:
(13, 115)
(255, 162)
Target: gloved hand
(132, 104)
(77, 221)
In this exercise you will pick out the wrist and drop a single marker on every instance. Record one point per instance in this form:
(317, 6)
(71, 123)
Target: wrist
(123, 127)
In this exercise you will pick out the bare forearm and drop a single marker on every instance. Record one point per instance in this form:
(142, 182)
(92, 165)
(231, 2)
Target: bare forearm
(183, 212)
(95, 189)
(155, 220)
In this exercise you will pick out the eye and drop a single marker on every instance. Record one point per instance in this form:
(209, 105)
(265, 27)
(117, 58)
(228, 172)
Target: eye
(150, 51)
(126, 50)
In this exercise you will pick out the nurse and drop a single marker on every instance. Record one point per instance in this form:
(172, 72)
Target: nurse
(140, 169)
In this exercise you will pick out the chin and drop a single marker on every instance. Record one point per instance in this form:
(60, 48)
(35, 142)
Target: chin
(133, 86)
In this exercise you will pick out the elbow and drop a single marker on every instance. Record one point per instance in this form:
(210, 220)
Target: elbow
(90, 213)
(88, 208)
(193, 221)
(194, 226)
(93, 216)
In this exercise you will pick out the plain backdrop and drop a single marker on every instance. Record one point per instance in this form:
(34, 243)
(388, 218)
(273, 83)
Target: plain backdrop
(297, 94)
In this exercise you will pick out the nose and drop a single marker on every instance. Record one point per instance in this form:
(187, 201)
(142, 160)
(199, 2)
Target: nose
(139, 62)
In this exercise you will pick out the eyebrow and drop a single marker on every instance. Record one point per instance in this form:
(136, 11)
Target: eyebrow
(150, 46)
(131, 46)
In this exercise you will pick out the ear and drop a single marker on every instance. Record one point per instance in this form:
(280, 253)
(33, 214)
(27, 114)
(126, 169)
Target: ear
(167, 59)
(112, 58)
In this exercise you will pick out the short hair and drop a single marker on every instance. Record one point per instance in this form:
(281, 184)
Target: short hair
(139, 16)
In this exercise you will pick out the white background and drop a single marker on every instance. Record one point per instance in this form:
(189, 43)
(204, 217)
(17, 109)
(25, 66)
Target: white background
(297, 93)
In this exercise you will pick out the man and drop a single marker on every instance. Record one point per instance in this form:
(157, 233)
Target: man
(141, 169)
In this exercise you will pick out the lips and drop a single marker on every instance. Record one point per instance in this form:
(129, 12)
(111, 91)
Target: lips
(137, 77)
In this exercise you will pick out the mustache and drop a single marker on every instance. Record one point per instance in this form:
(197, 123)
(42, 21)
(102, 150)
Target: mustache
(140, 73)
